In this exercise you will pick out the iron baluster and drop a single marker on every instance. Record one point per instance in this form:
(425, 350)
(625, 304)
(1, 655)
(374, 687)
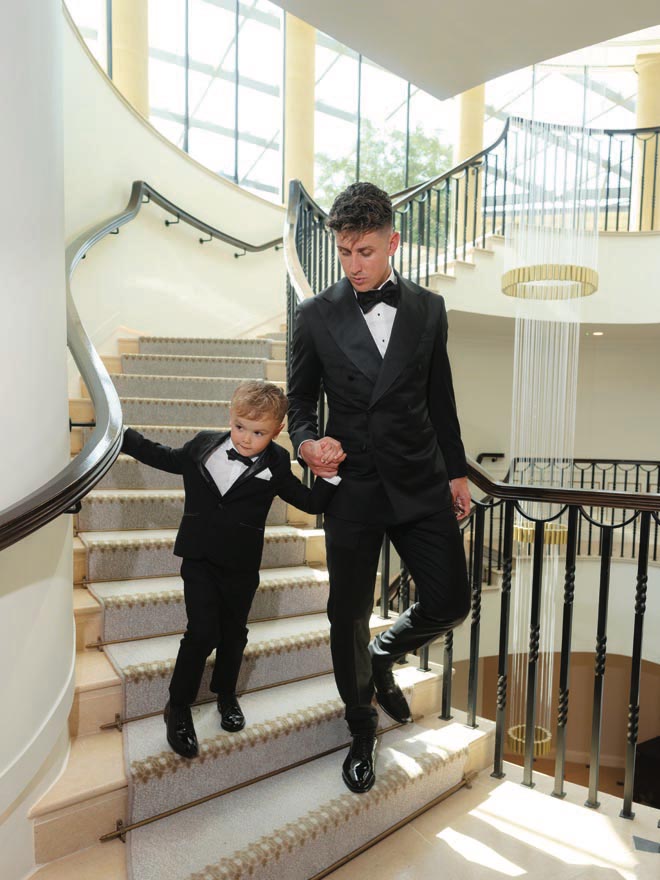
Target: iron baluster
(447, 660)
(420, 235)
(533, 657)
(655, 180)
(489, 576)
(475, 626)
(599, 670)
(484, 204)
(424, 659)
(636, 668)
(567, 629)
(427, 209)
(447, 186)
(475, 201)
(632, 165)
(618, 194)
(437, 228)
(607, 180)
(466, 176)
(641, 187)
(503, 655)
(385, 579)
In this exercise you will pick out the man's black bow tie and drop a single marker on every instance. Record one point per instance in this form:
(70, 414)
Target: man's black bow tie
(388, 293)
(234, 455)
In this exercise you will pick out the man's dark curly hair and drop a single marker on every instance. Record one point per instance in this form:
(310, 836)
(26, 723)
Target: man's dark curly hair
(360, 208)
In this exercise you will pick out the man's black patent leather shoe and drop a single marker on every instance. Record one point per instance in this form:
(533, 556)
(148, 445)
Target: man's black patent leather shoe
(359, 768)
(231, 714)
(181, 730)
(389, 695)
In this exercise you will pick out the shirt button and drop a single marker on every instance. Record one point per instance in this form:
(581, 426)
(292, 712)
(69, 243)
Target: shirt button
(363, 448)
(220, 506)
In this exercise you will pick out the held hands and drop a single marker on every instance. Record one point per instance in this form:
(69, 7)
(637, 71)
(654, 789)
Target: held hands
(323, 456)
(460, 494)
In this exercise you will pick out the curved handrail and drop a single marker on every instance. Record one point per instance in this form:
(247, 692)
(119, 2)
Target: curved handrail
(73, 482)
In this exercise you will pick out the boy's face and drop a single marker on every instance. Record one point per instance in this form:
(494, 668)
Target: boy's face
(252, 436)
(365, 259)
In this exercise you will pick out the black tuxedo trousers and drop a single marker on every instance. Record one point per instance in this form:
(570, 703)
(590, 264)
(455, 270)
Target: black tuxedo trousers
(396, 419)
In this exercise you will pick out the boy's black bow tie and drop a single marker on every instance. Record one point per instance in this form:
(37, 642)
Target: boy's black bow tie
(388, 293)
(234, 455)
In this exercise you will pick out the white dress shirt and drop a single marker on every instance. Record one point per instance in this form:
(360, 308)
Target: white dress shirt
(225, 471)
(380, 319)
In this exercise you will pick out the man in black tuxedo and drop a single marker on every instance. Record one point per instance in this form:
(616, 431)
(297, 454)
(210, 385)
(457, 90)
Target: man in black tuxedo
(230, 479)
(377, 344)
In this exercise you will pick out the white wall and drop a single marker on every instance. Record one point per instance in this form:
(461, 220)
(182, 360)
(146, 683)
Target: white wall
(618, 405)
(150, 279)
(628, 270)
(36, 631)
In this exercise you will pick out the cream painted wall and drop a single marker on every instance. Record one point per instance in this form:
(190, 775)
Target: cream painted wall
(149, 278)
(628, 269)
(36, 630)
(618, 407)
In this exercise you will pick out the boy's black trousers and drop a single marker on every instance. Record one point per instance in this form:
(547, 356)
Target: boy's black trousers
(218, 602)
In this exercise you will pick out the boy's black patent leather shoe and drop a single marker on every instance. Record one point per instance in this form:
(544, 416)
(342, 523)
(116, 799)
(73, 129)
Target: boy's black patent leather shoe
(389, 695)
(359, 768)
(231, 714)
(181, 730)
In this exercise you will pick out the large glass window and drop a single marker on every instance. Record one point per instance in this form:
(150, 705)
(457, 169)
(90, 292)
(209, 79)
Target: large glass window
(90, 17)
(335, 118)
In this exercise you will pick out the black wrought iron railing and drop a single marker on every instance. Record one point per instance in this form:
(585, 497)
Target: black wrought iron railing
(64, 492)
(443, 219)
(592, 510)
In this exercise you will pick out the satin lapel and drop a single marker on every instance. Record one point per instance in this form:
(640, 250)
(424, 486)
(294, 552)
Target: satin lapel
(207, 449)
(262, 462)
(408, 325)
(347, 326)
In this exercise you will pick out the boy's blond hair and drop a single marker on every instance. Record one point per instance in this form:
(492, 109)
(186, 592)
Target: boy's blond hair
(260, 400)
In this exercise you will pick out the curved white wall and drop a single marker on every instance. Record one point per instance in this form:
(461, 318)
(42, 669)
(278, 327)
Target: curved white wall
(36, 632)
(628, 271)
(150, 279)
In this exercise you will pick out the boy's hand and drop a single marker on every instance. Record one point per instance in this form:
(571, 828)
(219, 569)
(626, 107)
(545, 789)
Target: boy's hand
(322, 456)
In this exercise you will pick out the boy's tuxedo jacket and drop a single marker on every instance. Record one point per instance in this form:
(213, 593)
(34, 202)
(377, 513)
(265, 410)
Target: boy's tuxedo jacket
(227, 529)
(395, 416)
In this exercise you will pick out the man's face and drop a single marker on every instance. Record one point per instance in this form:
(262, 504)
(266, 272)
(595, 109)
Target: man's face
(365, 258)
(252, 436)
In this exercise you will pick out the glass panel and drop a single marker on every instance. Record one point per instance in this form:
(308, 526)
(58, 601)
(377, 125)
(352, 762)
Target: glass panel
(383, 124)
(433, 131)
(335, 119)
(90, 19)
(509, 95)
(167, 49)
(260, 51)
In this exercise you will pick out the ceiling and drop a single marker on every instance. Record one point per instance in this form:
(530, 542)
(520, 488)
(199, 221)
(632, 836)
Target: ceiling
(447, 47)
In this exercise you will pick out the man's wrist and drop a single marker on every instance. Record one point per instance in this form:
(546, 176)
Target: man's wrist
(300, 446)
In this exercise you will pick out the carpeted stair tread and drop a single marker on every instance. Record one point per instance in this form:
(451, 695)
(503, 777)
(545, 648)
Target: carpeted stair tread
(152, 606)
(285, 724)
(176, 387)
(302, 821)
(205, 346)
(278, 651)
(159, 411)
(136, 553)
(194, 365)
(110, 509)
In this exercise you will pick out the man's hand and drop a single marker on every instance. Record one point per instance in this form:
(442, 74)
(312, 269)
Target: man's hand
(322, 457)
(460, 494)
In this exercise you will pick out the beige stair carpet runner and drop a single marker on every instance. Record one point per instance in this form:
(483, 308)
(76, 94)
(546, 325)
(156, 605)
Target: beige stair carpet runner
(302, 821)
(293, 823)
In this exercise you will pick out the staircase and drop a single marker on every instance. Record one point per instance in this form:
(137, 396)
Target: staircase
(267, 802)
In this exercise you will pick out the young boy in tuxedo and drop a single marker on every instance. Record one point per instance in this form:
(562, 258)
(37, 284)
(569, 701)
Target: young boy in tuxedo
(230, 480)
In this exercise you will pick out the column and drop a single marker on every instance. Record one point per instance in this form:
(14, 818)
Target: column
(130, 52)
(470, 141)
(299, 103)
(646, 189)
(37, 642)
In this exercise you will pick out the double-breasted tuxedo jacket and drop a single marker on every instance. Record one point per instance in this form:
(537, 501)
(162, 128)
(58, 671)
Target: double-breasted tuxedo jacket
(396, 419)
(227, 529)
(395, 416)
